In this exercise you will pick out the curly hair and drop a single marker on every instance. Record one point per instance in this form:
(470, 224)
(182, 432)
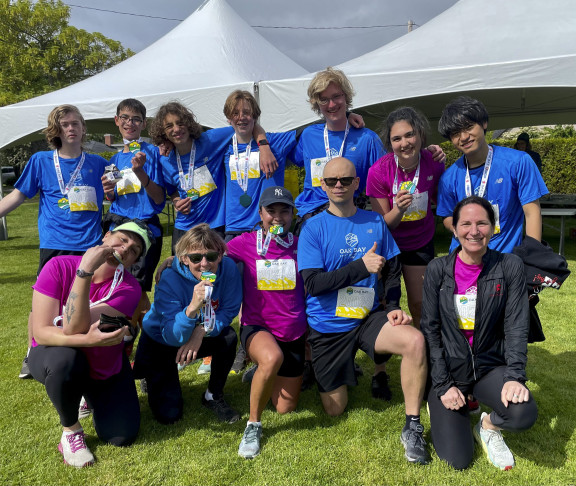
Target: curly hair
(321, 81)
(199, 236)
(53, 130)
(175, 108)
(235, 97)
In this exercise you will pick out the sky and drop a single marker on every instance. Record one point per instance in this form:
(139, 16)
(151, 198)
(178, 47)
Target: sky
(313, 49)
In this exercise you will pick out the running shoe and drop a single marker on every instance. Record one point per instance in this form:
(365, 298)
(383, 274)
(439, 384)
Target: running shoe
(250, 444)
(74, 450)
(249, 374)
(239, 362)
(25, 371)
(206, 366)
(380, 387)
(414, 444)
(84, 410)
(223, 411)
(493, 444)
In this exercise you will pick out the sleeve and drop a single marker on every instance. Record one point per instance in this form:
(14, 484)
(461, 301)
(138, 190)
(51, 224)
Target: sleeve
(219, 140)
(376, 185)
(282, 143)
(318, 282)
(230, 296)
(438, 172)
(377, 150)
(447, 199)
(296, 155)
(166, 162)
(392, 287)
(234, 249)
(126, 297)
(516, 320)
(28, 182)
(431, 327)
(49, 281)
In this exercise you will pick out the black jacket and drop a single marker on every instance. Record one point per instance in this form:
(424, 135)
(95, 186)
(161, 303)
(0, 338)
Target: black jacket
(501, 323)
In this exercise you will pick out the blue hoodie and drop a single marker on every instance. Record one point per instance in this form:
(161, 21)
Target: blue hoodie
(167, 323)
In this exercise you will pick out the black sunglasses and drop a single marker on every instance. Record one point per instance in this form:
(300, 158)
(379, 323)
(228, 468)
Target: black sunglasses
(211, 256)
(332, 181)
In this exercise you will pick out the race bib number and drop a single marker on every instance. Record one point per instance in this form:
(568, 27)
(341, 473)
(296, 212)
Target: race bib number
(466, 310)
(83, 198)
(354, 302)
(418, 209)
(317, 169)
(497, 217)
(129, 183)
(203, 182)
(253, 166)
(276, 274)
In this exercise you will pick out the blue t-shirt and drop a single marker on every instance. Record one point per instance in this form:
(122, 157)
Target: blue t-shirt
(209, 208)
(330, 242)
(514, 180)
(239, 218)
(130, 204)
(363, 147)
(59, 227)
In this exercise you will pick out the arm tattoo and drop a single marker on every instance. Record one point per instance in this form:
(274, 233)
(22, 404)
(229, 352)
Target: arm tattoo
(70, 309)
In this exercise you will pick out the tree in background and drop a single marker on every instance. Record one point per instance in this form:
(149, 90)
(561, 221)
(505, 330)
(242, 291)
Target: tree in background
(40, 52)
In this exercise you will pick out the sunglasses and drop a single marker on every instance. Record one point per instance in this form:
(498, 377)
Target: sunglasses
(332, 181)
(210, 256)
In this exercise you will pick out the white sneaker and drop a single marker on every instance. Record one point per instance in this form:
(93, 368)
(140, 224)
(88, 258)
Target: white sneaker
(493, 444)
(74, 450)
(84, 410)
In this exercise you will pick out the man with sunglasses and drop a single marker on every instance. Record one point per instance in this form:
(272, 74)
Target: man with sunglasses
(138, 192)
(342, 254)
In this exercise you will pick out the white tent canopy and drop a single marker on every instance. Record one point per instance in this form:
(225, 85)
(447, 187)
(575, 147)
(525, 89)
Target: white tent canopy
(517, 56)
(199, 63)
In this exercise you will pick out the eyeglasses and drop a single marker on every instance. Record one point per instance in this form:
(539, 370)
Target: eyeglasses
(332, 181)
(336, 99)
(210, 256)
(135, 120)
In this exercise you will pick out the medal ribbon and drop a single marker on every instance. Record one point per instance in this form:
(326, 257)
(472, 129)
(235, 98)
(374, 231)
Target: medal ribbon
(190, 184)
(485, 174)
(209, 314)
(66, 190)
(414, 181)
(262, 249)
(327, 143)
(128, 142)
(118, 277)
(241, 177)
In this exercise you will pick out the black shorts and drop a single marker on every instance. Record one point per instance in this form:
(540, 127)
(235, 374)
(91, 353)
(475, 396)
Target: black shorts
(46, 254)
(419, 257)
(333, 353)
(293, 364)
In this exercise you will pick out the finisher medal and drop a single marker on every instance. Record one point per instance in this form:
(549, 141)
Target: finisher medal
(209, 276)
(245, 200)
(134, 147)
(408, 186)
(276, 230)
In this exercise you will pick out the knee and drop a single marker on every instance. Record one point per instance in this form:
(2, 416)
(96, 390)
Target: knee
(123, 440)
(270, 363)
(522, 416)
(416, 346)
(285, 407)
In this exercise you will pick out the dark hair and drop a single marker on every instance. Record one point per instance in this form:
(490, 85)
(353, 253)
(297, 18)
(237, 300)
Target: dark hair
(175, 108)
(132, 105)
(459, 114)
(414, 118)
(524, 136)
(474, 200)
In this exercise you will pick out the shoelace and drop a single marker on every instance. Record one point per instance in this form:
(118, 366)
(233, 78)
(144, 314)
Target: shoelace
(76, 441)
(496, 441)
(251, 434)
(415, 436)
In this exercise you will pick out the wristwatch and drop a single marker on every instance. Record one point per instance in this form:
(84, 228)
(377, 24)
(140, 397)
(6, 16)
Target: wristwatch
(83, 274)
(263, 142)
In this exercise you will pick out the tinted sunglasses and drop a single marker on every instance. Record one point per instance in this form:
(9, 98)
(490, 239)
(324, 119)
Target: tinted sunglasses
(332, 181)
(210, 256)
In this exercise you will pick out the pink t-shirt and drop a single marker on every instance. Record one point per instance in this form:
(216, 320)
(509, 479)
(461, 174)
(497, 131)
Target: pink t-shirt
(466, 278)
(282, 312)
(414, 234)
(56, 280)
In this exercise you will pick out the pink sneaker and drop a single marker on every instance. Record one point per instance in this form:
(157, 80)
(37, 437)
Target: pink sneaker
(74, 450)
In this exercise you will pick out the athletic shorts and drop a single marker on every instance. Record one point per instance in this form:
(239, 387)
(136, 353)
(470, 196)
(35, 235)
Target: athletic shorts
(333, 353)
(293, 364)
(419, 257)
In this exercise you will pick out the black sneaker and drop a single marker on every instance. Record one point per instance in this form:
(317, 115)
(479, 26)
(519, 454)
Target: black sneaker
(414, 444)
(25, 371)
(308, 378)
(249, 374)
(380, 388)
(222, 410)
(239, 361)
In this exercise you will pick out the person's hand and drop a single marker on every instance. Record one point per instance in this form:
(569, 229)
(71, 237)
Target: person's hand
(372, 260)
(437, 153)
(453, 399)
(268, 162)
(403, 200)
(514, 392)
(138, 162)
(356, 120)
(198, 297)
(98, 338)
(107, 184)
(95, 257)
(189, 351)
(398, 317)
(163, 266)
(165, 148)
(182, 205)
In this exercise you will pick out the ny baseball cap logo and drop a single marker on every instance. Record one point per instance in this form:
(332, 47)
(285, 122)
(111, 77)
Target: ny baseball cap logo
(278, 192)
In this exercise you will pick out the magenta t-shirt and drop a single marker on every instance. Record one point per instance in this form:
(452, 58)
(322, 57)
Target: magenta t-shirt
(56, 280)
(282, 312)
(409, 235)
(466, 278)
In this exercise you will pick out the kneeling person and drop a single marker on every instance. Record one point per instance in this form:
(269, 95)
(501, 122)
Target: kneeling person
(340, 255)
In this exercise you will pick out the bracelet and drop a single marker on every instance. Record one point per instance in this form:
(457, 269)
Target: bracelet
(147, 183)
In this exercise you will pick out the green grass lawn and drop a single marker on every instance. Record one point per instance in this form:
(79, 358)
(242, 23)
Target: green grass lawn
(307, 447)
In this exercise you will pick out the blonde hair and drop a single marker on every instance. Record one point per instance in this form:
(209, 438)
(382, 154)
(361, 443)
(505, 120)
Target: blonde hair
(200, 236)
(235, 97)
(175, 108)
(52, 131)
(322, 80)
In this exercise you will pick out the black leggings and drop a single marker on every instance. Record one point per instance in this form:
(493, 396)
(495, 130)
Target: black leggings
(450, 429)
(156, 363)
(65, 373)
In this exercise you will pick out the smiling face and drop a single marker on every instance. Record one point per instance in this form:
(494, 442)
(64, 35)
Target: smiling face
(471, 141)
(197, 260)
(130, 123)
(126, 244)
(242, 121)
(473, 230)
(406, 143)
(176, 130)
(334, 109)
(276, 214)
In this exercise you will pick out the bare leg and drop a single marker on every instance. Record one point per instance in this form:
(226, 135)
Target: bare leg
(414, 281)
(335, 401)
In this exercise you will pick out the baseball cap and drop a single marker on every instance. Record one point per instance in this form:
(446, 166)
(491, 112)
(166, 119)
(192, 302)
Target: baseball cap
(276, 194)
(139, 228)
